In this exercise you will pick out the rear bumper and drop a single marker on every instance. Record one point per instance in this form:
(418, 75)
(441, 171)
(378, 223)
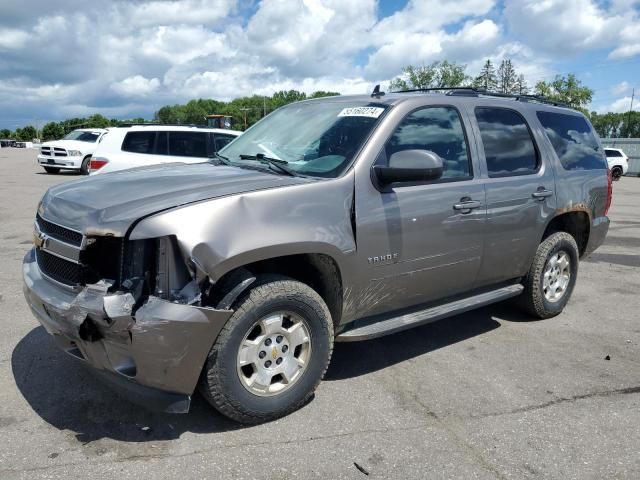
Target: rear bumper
(597, 234)
(70, 163)
(153, 355)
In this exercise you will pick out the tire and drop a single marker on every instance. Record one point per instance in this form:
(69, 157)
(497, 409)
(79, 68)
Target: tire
(616, 173)
(84, 167)
(52, 170)
(225, 382)
(536, 298)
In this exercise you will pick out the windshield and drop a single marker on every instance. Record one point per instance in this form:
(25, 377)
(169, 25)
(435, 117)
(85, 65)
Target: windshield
(315, 138)
(82, 136)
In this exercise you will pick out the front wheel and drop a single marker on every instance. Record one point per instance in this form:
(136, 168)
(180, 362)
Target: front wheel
(552, 276)
(272, 353)
(84, 168)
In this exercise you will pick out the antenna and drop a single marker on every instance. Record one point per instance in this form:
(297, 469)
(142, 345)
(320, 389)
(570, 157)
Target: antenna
(376, 92)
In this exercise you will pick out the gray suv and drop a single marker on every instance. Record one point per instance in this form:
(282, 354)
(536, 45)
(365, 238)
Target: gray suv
(336, 219)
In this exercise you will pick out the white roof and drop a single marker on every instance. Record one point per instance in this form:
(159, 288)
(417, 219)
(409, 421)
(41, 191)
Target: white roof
(173, 128)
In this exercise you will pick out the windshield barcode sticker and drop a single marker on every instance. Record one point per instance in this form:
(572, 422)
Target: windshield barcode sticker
(372, 112)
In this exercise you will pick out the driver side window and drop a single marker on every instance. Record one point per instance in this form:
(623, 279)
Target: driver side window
(439, 130)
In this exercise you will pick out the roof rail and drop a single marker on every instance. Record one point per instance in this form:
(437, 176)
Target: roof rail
(476, 92)
(160, 125)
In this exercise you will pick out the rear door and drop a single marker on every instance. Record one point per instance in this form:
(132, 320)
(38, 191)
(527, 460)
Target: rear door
(520, 192)
(421, 243)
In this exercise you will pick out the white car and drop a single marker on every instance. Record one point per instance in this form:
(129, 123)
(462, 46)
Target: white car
(140, 145)
(73, 152)
(618, 162)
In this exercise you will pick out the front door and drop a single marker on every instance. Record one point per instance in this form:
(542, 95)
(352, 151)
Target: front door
(421, 243)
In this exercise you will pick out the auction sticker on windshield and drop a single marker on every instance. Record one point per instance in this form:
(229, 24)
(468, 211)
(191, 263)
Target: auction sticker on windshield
(372, 112)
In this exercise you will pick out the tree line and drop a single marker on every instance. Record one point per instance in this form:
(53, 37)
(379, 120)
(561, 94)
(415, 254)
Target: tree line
(245, 111)
(501, 79)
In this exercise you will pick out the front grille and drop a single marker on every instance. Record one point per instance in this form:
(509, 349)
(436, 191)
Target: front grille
(59, 269)
(60, 233)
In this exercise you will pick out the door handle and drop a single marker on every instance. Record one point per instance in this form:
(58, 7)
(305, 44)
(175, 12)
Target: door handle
(541, 193)
(466, 205)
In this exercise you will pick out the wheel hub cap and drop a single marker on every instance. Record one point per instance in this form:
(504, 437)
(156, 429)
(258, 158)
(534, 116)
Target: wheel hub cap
(274, 353)
(556, 276)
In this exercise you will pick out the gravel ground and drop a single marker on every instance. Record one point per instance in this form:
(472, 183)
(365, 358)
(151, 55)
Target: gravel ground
(486, 394)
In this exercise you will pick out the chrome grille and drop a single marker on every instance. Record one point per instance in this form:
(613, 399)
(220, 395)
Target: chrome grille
(58, 232)
(59, 269)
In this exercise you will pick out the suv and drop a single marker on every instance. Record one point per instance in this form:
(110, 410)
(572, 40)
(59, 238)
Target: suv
(618, 162)
(142, 145)
(335, 219)
(72, 152)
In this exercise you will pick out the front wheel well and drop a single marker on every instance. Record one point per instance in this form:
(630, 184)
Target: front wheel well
(319, 271)
(576, 224)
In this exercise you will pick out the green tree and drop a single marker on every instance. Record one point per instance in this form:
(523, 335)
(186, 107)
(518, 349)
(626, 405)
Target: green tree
(487, 79)
(52, 131)
(5, 133)
(507, 77)
(283, 97)
(567, 90)
(26, 134)
(322, 93)
(521, 87)
(435, 75)
(97, 121)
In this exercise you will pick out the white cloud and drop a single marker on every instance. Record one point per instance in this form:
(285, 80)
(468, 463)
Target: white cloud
(620, 105)
(621, 88)
(565, 26)
(136, 86)
(629, 41)
(131, 57)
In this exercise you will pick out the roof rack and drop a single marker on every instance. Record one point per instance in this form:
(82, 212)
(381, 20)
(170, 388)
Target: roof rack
(476, 92)
(160, 125)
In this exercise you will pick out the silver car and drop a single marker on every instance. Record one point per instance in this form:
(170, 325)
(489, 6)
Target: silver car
(336, 219)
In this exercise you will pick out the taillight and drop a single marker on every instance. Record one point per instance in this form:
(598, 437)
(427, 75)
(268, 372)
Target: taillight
(609, 191)
(96, 163)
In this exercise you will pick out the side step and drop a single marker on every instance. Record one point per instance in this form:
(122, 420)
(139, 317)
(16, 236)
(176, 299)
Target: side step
(379, 328)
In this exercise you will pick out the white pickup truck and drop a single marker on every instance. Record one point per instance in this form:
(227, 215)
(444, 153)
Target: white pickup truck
(73, 152)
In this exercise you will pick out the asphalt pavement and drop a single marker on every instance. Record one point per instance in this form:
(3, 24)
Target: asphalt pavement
(488, 394)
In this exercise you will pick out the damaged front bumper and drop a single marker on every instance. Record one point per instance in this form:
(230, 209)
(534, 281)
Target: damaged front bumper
(155, 354)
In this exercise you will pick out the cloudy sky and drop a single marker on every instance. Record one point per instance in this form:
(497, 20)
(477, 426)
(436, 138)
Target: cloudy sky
(127, 58)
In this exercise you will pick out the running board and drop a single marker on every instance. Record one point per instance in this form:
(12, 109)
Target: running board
(374, 329)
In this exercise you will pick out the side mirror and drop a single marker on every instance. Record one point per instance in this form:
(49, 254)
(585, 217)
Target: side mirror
(410, 166)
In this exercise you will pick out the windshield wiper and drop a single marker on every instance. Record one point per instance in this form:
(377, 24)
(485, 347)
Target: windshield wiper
(275, 162)
(221, 158)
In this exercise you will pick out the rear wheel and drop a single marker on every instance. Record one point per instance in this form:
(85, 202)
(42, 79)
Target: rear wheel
(616, 173)
(272, 353)
(550, 281)
(51, 169)
(84, 168)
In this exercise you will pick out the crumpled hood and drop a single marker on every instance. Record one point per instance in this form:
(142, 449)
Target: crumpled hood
(87, 147)
(108, 204)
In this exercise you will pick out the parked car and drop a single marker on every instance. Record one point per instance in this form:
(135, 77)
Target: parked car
(618, 162)
(72, 152)
(335, 219)
(141, 145)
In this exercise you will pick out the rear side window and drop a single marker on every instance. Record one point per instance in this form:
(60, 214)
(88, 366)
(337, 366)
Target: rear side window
(139, 142)
(612, 153)
(508, 145)
(220, 141)
(188, 144)
(573, 140)
(438, 129)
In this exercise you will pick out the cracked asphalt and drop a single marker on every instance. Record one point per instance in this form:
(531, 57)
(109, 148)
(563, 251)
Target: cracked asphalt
(486, 394)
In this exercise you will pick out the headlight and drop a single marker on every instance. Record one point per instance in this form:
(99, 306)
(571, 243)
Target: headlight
(74, 153)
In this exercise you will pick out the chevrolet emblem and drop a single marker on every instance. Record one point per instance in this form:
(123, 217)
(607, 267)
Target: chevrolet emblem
(274, 353)
(38, 239)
